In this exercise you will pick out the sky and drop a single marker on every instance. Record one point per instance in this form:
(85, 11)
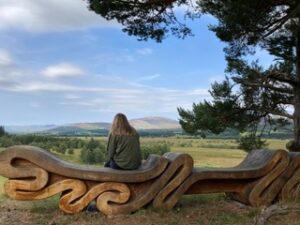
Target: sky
(61, 63)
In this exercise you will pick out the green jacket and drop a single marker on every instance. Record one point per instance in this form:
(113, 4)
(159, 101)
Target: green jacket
(125, 151)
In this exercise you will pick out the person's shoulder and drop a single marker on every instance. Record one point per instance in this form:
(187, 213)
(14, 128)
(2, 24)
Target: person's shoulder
(134, 132)
(111, 136)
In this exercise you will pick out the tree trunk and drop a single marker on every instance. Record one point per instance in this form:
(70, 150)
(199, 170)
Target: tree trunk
(296, 144)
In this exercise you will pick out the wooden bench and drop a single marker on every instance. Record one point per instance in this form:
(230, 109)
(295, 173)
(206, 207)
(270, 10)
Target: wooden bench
(263, 177)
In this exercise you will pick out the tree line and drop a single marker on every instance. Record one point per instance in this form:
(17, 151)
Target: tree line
(91, 151)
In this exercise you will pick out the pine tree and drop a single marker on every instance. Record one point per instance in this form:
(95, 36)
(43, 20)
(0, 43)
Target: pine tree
(2, 131)
(250, 95)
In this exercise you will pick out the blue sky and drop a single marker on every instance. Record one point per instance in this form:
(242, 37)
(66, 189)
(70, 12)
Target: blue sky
(60, 63)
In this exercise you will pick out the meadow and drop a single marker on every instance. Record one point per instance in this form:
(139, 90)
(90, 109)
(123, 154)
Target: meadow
(210, 209)
(207, 152)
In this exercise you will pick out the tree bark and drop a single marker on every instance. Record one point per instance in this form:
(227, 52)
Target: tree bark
(296, 145)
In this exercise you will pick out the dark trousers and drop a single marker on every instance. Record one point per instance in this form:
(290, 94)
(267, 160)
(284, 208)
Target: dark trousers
(111, 163)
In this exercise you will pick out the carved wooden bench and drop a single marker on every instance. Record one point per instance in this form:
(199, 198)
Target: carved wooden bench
(263, 177)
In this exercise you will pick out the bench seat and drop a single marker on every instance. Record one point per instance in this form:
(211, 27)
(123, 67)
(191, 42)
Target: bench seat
(263, 177)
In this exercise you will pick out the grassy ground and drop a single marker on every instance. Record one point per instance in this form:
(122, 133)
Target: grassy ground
(2, 179)
(208, 209)
(212, 209)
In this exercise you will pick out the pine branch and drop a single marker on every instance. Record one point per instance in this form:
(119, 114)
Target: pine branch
(282, 77)
(284, 114)
(281, 21)
(269, 86)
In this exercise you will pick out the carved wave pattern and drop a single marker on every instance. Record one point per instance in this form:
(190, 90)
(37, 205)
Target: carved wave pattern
(262, 178)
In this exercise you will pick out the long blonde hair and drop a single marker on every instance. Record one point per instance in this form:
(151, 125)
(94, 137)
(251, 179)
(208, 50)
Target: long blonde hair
(121, 126)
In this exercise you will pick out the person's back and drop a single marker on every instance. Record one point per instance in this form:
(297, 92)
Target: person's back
(125, 151)
(123, 145)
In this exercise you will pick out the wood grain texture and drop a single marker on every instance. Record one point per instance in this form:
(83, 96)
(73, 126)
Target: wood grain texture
(256, 172)
(152, 168)
(260, 179)
(291, 189)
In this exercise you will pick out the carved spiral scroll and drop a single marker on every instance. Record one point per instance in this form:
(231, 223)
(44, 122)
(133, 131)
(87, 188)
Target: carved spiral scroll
(181, 167)
(254, 179)
(75, 196)
(267, 188)
(14, 188)
(291, 189)
(261, 178)
(105, 193)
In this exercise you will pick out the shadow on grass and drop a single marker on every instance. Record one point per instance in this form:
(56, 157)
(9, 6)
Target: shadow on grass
(49, 205)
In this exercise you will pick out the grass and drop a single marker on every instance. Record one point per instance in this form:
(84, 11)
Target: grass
(2, 180)
(202, 209)
(206, 157)
(74, 158)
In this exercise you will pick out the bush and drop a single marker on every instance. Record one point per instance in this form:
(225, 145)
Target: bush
(250, 142)
(71, 151)
(92, 156)
(93, 152)
(6, 141)
(2, 131)
(157, 149)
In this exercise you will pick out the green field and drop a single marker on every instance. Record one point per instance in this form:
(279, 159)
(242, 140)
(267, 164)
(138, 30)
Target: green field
(205, 152)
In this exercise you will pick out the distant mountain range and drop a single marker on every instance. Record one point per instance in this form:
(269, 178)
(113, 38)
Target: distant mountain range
(146, 124)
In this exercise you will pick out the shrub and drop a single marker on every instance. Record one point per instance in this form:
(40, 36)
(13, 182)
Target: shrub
(248, 143)
(6, 141)
(92, 156)
(157, 149)
(71, 151)
(2, 131)
(93, 152)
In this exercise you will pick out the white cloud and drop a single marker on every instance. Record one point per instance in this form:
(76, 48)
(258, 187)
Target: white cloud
(133, 98)
(6, 82)
(9, 72)
(44, 16)
(5, 58)
(62, 70)
(35, 104)
(72, 96)
(152, 77)
(57, 87)
(145, 51)
(39, 86)
(101, 92)
(143, 100)
(119, 57)
(109, 78)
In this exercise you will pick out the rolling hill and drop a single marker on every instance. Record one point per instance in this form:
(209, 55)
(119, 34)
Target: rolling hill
(148, 124)
(154, 123)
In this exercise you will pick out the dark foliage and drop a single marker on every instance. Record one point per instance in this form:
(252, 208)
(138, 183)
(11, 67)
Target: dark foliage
(152, 19)
(156, 149)
(253, 97)
(93, 153)
(2, 131)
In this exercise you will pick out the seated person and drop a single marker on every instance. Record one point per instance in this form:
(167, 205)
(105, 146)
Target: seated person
(123, 146)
